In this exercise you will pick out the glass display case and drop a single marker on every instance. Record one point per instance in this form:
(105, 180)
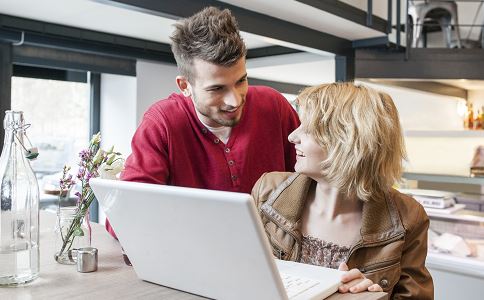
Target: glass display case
(456, 254)
(456, 238)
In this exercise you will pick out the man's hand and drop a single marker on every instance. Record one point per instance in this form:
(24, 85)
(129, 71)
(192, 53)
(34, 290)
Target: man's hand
(355, 282)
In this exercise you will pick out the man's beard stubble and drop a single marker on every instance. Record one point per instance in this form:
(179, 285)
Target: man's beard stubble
(222, 122)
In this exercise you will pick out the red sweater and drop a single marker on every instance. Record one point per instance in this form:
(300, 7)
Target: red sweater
(171, 145)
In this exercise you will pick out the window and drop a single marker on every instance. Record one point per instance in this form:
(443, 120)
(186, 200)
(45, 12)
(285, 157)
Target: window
(58, 111)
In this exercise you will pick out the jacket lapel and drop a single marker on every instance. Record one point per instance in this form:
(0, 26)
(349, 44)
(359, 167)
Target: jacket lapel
(285, 204)
(380, 220)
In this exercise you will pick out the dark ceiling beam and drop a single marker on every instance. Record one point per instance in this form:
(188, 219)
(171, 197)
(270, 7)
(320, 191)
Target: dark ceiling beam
(426, 86)
(282, 87)
(70, 60)
(371, 42)
(249, 21)
(349, 13)
(49, 73)
(422, 63)
(44, 34)
(270, 51)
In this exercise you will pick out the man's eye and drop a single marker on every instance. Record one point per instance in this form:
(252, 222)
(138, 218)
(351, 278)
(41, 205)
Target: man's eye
(215, 89)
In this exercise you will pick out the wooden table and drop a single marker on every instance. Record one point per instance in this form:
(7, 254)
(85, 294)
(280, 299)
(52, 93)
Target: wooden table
(113, 280)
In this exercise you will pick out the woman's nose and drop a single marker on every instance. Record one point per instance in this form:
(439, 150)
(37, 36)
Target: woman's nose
(294, 136)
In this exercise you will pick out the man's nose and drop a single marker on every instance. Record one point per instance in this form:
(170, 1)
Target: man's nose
(232, 99)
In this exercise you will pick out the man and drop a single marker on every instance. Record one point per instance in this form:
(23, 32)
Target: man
(219, 133)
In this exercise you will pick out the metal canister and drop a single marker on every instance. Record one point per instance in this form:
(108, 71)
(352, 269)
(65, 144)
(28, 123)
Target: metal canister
(87, 259)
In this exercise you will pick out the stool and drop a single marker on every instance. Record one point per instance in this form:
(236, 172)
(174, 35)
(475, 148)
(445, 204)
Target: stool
(445, 13)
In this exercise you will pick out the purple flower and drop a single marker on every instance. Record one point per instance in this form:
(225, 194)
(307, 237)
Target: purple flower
(80, 173)
(84, 154)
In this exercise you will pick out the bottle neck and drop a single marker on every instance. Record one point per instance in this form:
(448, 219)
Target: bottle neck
(14, 127)
(12, 140)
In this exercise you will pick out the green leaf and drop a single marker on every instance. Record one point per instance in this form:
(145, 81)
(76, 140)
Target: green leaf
(78, 232)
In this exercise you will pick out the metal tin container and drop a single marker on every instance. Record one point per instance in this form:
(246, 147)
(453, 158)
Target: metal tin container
(87, 260)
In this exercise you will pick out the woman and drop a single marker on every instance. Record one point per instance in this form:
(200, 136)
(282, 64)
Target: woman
(338, 209)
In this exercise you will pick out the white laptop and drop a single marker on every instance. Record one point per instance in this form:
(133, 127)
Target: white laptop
(209, 243)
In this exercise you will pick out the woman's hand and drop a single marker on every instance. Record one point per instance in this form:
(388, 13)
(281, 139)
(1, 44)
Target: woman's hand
(355, 282)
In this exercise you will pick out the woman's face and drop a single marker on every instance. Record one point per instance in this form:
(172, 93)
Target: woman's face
(309, 153)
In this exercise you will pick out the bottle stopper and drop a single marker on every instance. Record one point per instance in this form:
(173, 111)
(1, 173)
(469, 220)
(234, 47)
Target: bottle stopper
(32, 153)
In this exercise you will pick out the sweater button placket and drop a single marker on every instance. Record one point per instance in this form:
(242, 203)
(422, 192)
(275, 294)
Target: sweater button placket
(231, 163)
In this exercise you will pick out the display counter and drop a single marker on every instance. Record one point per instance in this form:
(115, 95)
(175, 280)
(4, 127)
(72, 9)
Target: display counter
(458, 272)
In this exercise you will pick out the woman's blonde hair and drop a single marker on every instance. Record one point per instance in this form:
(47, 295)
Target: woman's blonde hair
(359, 129)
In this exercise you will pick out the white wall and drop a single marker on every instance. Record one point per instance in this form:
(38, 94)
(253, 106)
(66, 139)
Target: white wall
(155, 81)
(298, 68)
(422, 110)
(118, 107)
(435, 143)
(124, 99)
(118, 119)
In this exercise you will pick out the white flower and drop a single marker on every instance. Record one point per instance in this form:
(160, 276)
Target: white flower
(96, 139)
(98, 157)
(111, 171)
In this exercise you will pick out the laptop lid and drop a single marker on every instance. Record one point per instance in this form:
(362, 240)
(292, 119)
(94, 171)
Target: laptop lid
(205, 242)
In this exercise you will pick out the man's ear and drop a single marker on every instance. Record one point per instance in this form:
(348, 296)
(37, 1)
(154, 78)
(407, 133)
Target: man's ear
(183, 85)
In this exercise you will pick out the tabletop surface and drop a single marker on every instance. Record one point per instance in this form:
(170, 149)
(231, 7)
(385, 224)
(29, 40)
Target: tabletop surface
(113, 280)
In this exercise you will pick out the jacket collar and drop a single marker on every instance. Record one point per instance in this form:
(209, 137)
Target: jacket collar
(380, 219)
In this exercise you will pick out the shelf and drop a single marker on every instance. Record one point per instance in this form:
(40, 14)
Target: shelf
(463, 265)
(444, 178)
(461, 215)
(444, 133)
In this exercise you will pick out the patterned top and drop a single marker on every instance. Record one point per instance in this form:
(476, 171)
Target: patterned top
(321, 253)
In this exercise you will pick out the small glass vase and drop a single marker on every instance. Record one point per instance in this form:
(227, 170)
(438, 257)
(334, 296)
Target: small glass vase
(72, 232)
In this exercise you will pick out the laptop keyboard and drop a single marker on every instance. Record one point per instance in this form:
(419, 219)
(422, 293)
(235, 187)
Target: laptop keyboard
(296, 285)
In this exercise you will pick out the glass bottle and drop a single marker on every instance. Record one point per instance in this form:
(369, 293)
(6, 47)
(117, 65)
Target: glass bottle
(478, 120)
(19, 212)
(70, 238)
(470, 117)
(481, 117)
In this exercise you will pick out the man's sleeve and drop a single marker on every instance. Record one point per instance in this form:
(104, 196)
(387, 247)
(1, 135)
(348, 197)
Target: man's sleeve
(149, 159)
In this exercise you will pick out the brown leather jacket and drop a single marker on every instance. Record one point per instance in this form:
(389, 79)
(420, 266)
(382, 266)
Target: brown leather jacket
(393, 244)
